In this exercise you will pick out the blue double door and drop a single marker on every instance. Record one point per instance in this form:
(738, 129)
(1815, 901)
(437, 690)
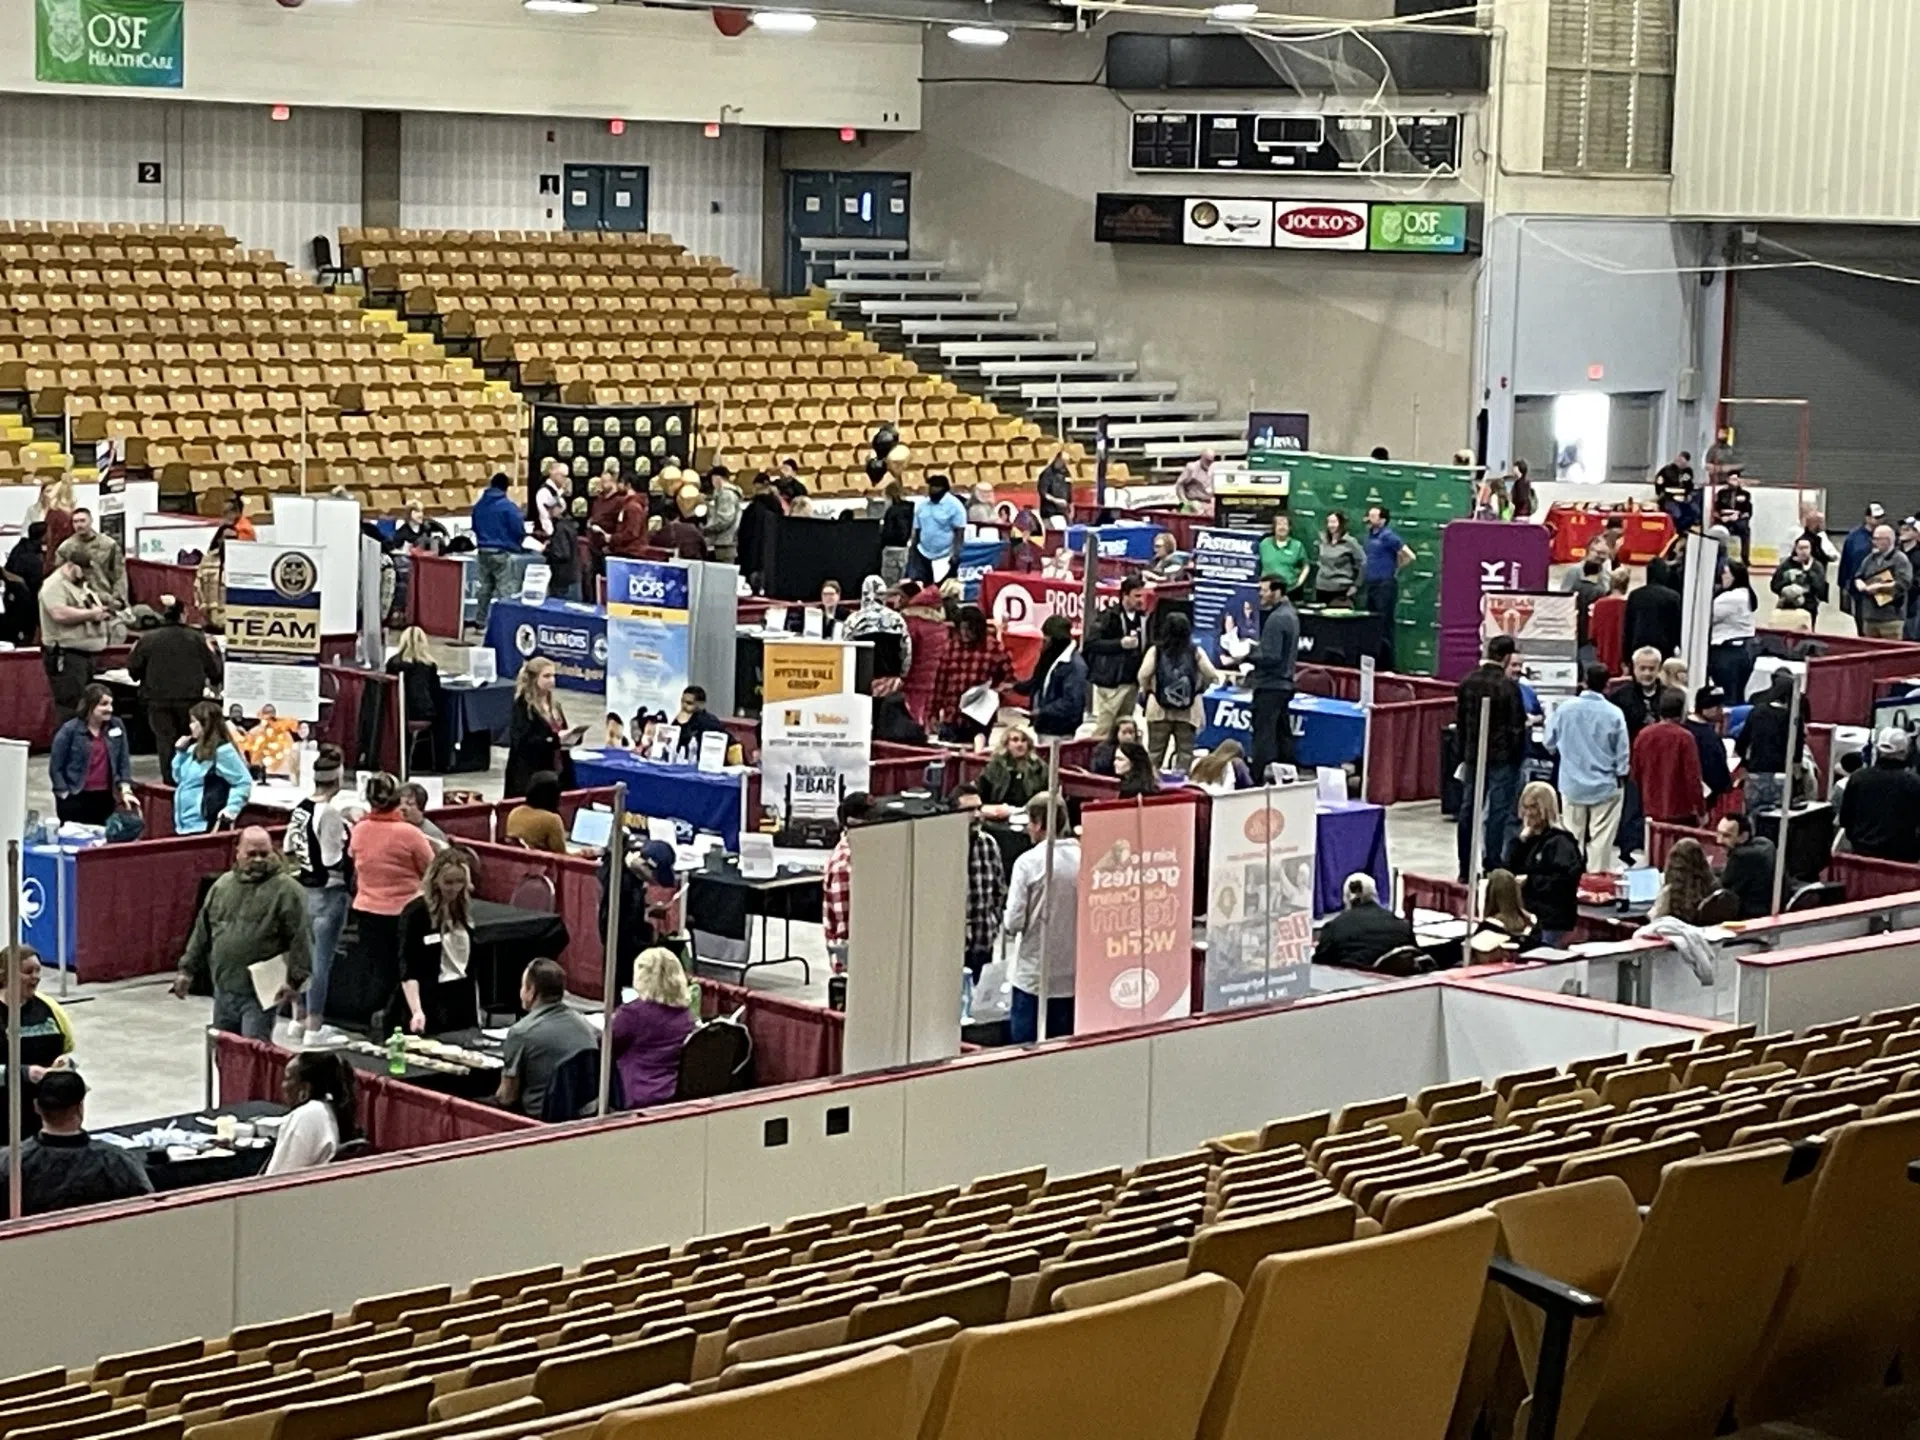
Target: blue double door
(842, 205)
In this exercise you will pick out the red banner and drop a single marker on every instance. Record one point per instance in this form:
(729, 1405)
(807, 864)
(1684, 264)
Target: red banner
(1135, 932)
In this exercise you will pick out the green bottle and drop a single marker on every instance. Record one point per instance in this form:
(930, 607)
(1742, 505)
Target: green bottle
(397, 1052)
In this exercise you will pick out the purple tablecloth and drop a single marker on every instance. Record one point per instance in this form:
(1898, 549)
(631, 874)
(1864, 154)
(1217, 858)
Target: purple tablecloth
(1351, 836)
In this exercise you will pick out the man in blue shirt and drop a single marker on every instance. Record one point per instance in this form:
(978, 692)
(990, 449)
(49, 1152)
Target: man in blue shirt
(939, 525)
(1853, 551)
(1387, 556)
(1589, 734)
(498, 531)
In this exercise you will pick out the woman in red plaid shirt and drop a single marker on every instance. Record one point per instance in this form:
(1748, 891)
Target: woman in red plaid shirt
(974, 656)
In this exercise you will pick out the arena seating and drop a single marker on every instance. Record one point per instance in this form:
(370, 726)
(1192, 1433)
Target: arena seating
(1226, 1292)
(633, 319)
(202, 356)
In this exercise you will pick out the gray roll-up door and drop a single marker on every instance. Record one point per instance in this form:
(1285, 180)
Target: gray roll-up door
(1848, 345)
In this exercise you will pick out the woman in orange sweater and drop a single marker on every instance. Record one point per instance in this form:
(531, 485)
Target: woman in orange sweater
(389, 859)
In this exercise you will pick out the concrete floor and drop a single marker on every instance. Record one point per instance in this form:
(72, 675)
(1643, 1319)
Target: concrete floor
(143, 1052)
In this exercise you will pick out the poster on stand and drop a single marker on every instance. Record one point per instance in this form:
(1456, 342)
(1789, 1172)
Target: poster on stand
(1547, 626)
(1477, 558)
(1134, 961)
(805, 669)
(1260, 858)
(1226, 594)
(813, 754)
(273, 629)
(648, 636)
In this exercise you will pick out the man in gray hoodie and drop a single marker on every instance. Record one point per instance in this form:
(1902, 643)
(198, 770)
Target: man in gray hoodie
(1273, 679)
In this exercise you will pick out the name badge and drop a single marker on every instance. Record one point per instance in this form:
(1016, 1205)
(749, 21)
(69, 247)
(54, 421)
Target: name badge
(433, 939)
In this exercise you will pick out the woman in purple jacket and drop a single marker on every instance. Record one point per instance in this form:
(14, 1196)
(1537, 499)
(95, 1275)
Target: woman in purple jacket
(649, 1030)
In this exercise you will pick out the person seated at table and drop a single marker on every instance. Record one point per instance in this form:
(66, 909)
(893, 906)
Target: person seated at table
(1138, 777)
(535, 822)
(1505, 926)
(63, 1166)
(1748, 871)
(91, 765)
(46, 1036)
(695, 720)
(650, 1029)
(318, 1090)
(1222, 768)
(537, 734)
(1363, 931)
(540, 1041)
(413, 809)
(1546, 860)
(615, 736)
(436, 993)
(1880, 811)
(1015, 774)
(1685, 884)
(416, 531)
(1169, 561)
(419, 676)
(211, 782)
(827, 609)
(1126, 731)
(1058, 685)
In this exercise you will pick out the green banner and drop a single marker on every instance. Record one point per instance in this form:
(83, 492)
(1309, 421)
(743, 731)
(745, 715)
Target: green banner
(1417, 228)
(110, 42)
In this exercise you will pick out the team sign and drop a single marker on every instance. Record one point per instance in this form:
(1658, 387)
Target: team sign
(273, 601)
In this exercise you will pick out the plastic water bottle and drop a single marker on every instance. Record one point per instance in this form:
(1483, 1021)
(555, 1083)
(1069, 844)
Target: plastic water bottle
(397, 1052)
(966, 997)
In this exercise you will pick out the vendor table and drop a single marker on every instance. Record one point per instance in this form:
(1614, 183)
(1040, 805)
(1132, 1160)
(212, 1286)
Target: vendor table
(505, 939)
(472, 720)
(720, 901)
(1339, 637)
(1325, 731)
(212, 1166)
(572, 635)
(700, 798)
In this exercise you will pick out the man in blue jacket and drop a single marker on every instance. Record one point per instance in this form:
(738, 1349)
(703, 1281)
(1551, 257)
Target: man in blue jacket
(1853, 551)
(498, 531)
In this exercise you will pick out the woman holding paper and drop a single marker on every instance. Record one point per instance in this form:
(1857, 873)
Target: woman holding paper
(437, 991)
(537, 735)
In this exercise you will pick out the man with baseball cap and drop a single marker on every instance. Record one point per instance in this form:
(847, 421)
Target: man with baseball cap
(1709, 710)
(1880, 812)
(63, 1166)
(1853, 550)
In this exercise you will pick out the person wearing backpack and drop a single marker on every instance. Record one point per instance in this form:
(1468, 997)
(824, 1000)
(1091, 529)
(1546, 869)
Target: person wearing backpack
(1174, 674)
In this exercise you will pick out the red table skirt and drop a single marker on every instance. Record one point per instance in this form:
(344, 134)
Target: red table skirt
(1648, 532)
(436, 593)
(1841, 683)
(26, 703)
(393, 1114)
(137, 902)
(792, 1040)
(148, 580)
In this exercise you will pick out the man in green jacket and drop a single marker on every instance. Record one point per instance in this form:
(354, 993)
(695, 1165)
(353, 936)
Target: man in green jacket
(254, 912)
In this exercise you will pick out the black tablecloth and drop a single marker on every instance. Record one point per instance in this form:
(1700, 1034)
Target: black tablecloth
(720, 902)
(474, 1085)
(505, 938)
(238, 1164)
(471, 721)
(1339, 639)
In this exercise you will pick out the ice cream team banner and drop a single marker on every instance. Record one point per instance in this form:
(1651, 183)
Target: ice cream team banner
(1260, 856)
(1226, 594)
(1477, 558)
(813, 754)
(649, 635)
(273, 629)
(1134, 962)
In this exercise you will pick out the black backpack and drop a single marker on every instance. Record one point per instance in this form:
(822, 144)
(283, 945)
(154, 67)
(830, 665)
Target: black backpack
(1176, 679)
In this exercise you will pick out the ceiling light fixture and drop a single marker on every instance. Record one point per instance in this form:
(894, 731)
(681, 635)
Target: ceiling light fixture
(1237, 10)
(784, 22)
(561, 7)
(977, 35)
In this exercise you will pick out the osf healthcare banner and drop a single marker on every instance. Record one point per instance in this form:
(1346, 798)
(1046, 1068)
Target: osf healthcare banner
(1260, 856)
(1135, 962)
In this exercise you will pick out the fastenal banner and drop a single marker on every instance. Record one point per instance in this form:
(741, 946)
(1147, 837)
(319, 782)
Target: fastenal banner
(110, 42)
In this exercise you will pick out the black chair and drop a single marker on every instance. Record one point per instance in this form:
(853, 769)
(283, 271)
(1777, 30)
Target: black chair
(323, 262)
(352, 1149)
(712, 1059)
(1718, 908)
(1403, 961)
(1816, 896)
(574, 1089)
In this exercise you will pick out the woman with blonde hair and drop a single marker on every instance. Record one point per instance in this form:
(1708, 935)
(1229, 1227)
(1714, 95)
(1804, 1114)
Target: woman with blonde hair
(437, 991)
(650, 1029)
(1673, 674)
(1016, 773)
(54, 506)
(1547, 862)
(1685, 883)
(537, 735)
(1222, 768)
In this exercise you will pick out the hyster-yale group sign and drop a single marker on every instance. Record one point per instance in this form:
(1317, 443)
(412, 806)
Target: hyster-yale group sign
(110, 42)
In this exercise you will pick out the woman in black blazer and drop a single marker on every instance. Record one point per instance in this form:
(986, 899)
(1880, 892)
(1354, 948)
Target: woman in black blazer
(437, 991)
(537, 733)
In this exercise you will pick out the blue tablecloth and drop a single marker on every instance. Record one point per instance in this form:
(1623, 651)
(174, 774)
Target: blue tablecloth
(1120, 540)
(695, 797)
(572, 635)
(472, 720)
(1350, 837)
(1325, 732)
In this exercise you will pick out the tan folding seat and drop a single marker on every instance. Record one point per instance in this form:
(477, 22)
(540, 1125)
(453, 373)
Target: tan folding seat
(866, 1398)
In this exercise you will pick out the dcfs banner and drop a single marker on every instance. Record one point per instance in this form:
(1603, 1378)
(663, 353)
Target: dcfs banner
(1134, 962)
(1226, 594)
(273, 629)
(1260, 860)
(110, 42)
(813, 754)
(649, 636)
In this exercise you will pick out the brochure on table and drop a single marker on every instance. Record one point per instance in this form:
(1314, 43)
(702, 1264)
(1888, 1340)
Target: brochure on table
(1260, 859)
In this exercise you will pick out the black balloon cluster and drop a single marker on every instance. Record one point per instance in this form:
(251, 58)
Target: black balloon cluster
(888, 455)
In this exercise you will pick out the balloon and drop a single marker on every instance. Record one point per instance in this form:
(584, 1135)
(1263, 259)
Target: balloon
(884, 439)
(729, 21)
(876, 469)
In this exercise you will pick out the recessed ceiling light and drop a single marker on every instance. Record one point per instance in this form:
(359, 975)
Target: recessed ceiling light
(977, 35)
(1235, 11)
(784, 22)
(561, 7)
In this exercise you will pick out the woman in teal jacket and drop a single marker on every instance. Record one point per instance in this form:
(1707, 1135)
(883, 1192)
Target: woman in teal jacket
(210, 781)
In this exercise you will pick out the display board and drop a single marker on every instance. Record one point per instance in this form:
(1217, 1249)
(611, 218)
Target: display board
(273, 629)
(649, 623)
(1418, 227)
(1483, 558)
(1290, 142)
(1260, 859)
(644, 438)
(1226, 595)
(1134, 929)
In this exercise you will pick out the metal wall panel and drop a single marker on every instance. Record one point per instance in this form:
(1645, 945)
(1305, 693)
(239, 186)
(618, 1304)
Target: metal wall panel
(481, 172)
(273, 184)
(1786, 110)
